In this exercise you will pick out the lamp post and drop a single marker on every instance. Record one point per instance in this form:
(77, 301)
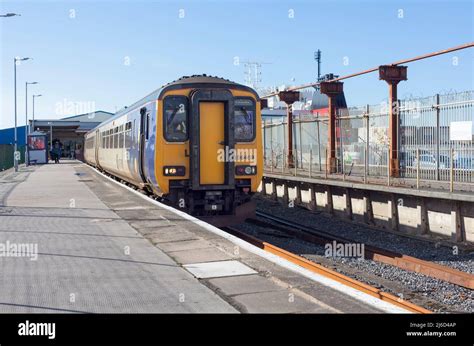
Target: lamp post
(26, 120)
(50, 123)
(16, 153)
(33, 121)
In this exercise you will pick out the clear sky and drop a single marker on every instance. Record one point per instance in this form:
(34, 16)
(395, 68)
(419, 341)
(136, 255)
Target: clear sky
(108, 54)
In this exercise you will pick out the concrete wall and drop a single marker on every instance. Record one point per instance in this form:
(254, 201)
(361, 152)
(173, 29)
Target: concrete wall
(449, 219)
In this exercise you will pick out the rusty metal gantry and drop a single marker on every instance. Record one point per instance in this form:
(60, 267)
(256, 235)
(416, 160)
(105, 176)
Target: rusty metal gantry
(331, 89)
(289, 97)
(391, 73)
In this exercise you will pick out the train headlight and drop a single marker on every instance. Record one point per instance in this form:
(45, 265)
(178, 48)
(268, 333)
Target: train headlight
(246, 170)
(174, 171)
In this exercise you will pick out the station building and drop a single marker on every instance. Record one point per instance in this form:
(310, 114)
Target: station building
(69, 131)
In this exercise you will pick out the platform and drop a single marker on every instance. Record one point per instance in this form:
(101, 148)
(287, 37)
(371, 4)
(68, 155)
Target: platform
(103, 248)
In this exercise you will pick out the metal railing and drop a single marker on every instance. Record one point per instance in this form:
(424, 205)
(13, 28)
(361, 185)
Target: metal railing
(435, 136)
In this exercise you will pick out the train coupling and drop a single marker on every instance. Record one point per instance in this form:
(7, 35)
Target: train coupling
(214, 201)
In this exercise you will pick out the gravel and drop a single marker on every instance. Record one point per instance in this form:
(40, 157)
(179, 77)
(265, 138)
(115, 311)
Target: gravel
(435, 252)
(433, 294)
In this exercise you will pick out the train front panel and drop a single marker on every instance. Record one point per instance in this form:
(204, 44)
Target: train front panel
(208, 154)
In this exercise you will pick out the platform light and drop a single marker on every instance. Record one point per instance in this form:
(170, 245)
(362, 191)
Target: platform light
(26, 119)
(15, 158)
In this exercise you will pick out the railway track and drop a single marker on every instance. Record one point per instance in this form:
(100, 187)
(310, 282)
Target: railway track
(313, 235)
(329, 273)
(305, 233)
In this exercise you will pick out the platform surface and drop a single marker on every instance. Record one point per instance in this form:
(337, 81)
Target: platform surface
(102, 248)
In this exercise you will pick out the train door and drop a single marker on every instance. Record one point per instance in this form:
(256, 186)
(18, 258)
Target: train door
(144, 132)
(212, 136)
(212, 139)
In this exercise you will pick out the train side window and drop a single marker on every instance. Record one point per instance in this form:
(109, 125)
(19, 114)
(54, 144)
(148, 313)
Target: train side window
(244, 119)
(116, 137)
(134, 129)
(121, 136)
(128, 135)
(175, 118)
(147, 133)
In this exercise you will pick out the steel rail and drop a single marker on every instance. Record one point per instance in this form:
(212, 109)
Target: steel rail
(326, 272)
(404, 61)
(405, 262)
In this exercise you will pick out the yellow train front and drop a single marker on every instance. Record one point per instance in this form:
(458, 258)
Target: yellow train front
(196, 142)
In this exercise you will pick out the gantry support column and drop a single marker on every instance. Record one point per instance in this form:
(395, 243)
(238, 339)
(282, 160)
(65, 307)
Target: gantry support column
(393, 75)
(331, 89)
(289, 97)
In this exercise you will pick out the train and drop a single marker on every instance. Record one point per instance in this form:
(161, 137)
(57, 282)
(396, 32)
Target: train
(195, 143)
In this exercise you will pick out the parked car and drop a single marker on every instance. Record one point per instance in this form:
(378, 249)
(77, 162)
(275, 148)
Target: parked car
(407, 158)
(428, 161)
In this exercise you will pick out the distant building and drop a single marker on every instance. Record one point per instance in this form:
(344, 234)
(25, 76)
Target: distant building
(69, 131)
(312, 104)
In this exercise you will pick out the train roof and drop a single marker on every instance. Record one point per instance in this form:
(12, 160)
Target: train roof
(203, 80)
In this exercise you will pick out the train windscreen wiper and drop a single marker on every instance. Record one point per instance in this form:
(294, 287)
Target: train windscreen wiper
(248, 120)
(170, 120)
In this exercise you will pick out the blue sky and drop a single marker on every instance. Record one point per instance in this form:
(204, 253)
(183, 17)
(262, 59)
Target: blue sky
(81, 49)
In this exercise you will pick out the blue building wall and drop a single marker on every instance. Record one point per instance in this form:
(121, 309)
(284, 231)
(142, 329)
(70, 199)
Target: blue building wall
(7, 136)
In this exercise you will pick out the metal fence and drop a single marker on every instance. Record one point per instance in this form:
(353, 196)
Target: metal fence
(435, 139)
(6, 156)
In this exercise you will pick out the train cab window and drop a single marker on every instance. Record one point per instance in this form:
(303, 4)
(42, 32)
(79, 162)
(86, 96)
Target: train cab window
(175, 118)
(244, 119)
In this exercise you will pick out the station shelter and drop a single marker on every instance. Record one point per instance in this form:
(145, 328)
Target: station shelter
(69, 132)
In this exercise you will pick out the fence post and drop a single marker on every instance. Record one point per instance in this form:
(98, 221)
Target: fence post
(437, 136)
(367, 139)
(301, 143)
(271, 141)
(310, 159)
(264, 142)
(388, 167)
(326, 170)
(319, 144)
(365, 166)
(283, 158)
(341, 151)
(451, 171)
(417, 168)
(271, 162)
